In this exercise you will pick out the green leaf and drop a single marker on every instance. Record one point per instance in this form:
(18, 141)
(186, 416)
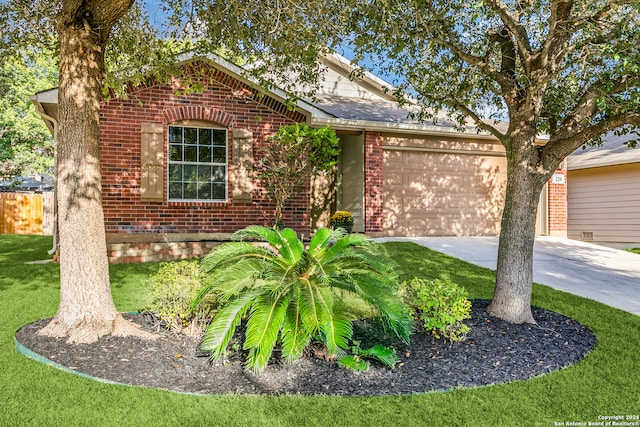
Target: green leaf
(320, 241)
(221, 329)
(385, 355)
(354, 363)
(265, 320)
(295, 337)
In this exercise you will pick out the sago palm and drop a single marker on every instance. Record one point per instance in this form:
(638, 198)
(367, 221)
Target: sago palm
(288, 291)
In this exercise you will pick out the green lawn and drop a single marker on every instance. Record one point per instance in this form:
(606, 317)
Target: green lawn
(32, 394)
(634, 250)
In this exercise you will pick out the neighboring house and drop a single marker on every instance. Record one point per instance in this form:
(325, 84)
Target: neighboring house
(179, 168)
(604, 192)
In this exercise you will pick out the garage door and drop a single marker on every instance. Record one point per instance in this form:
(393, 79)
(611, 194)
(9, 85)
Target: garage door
(430, 193)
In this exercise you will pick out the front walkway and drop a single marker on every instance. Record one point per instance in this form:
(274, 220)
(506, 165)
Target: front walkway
(604, 274)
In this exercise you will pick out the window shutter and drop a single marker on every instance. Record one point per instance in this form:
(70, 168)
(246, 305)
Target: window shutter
(152, 162)
(242, 158)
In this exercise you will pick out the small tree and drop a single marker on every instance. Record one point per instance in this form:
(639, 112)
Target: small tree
(292, 156)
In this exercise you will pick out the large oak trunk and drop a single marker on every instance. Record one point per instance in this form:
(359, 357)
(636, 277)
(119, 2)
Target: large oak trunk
(514, 272)
(86, 309)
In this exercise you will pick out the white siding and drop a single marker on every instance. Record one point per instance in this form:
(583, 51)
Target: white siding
(337, 84)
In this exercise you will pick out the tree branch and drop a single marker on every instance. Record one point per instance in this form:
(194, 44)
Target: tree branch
(479, 122)
(556, 36)
(516, 28)
(587, 106)
(579, 22)
(560, 146)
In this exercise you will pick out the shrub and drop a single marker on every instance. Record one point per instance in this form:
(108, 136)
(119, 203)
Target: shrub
(438, 305)
(173, 287)
(288, 291)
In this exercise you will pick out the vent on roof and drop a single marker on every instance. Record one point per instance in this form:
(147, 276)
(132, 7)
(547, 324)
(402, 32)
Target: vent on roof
(587, 235)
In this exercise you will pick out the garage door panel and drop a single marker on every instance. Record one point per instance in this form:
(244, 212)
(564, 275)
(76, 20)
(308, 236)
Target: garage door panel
(442, 194)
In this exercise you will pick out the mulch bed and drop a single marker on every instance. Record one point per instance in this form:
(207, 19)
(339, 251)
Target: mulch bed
(494, 352)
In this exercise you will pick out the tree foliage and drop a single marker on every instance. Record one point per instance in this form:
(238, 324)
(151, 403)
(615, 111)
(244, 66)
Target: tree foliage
(26, 145)
(578, 61)
(568, 69)
(292, 156)
(102, 42)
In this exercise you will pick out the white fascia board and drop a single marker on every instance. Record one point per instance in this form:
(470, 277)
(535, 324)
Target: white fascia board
(408, 128)
(49, 96)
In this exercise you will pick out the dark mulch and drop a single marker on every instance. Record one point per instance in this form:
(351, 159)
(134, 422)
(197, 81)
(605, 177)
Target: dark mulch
(494, 352)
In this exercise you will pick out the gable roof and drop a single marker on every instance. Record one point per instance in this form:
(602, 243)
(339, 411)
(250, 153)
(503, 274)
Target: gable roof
(612, 152)
(348, 99)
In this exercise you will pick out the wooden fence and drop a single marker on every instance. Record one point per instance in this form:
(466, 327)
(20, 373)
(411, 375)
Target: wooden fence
(26, 213)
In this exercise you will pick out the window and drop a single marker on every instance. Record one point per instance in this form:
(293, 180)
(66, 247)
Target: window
(197, 163)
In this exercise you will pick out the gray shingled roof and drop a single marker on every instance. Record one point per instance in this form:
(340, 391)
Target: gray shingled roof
(611, 152)
(365, 109)
(384, 111)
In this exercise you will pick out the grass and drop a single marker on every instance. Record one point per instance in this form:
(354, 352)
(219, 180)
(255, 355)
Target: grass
(605, 383)
(633, 250)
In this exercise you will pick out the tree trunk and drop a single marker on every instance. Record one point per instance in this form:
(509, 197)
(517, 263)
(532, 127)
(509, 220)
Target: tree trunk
(514, 273)
(86, 310)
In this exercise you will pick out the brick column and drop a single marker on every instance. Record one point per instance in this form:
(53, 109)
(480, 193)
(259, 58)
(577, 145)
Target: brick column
(373, 182)
(557, 208)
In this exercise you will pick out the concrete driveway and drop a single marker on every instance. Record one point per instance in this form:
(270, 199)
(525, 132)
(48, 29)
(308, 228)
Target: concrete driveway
(608, 275)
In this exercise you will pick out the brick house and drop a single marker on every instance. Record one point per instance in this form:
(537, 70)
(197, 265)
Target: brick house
(177, 169)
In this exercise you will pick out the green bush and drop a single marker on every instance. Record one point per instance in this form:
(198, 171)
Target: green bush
(438, 305)
(287, 292)
(173, 287)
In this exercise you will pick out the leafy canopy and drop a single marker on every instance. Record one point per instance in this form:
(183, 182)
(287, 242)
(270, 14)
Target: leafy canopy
(573, 66)
(290, 292)
(26, 145)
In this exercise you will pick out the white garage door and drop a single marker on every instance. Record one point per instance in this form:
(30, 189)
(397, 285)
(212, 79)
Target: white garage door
(430, 193)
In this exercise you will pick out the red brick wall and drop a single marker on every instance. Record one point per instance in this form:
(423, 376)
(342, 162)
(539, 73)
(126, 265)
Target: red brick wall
(373, 158)
(557, 207)
(224, 101)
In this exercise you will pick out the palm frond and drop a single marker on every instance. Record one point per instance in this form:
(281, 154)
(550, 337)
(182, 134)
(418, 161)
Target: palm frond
(321, 240)
(293, 247)
(254, 232)
(294, 337)
(230, 281)
(385, 355)
(224, 324)
(229, 253)
(265, 320)
(309, 307)
(348, 241)
(336, 332)
(283, 243)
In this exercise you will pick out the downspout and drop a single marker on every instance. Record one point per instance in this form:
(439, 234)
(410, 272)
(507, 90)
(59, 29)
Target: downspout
(54, 123)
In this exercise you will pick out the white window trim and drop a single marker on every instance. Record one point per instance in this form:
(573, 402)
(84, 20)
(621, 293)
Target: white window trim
(226, 163)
